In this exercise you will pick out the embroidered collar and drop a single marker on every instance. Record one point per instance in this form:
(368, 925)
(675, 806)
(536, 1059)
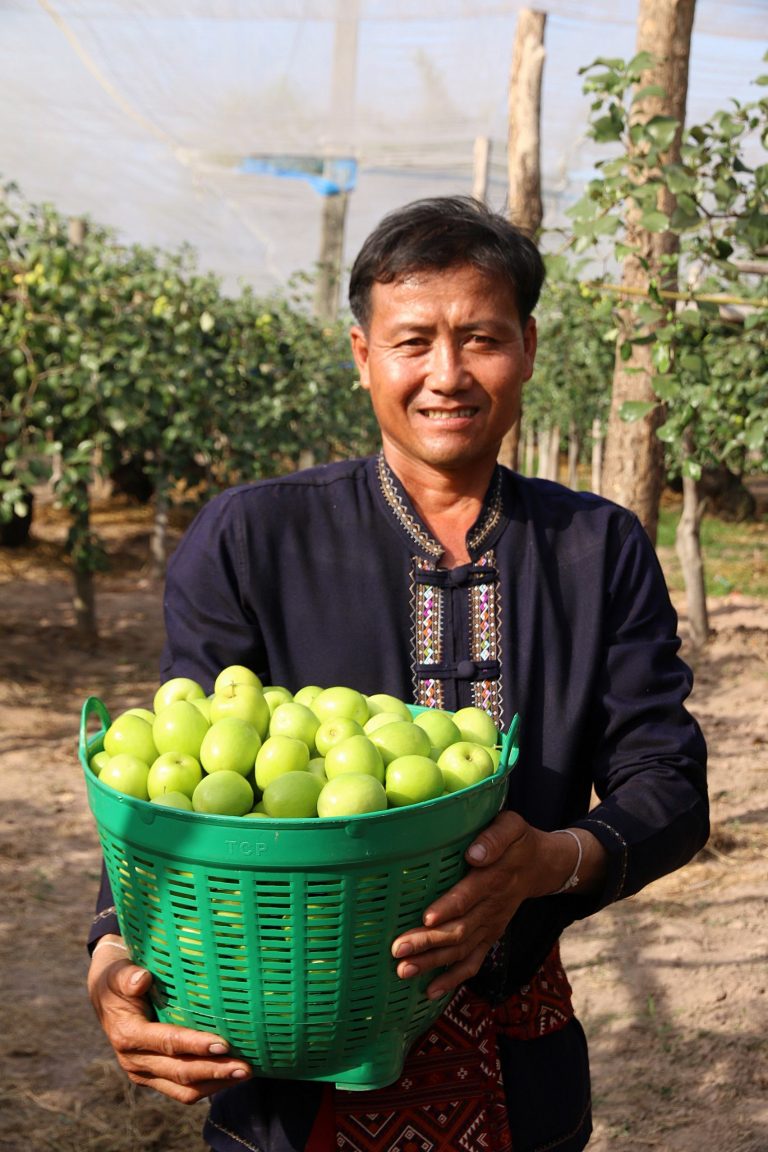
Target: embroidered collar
(478, 537)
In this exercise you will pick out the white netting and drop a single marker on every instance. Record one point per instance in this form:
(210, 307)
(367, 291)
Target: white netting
(141, 114)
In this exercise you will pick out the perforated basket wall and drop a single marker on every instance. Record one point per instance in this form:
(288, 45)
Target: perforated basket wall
(276, 934)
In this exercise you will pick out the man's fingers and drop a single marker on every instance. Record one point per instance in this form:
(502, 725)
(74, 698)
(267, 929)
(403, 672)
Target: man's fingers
(185, 1093)
(188, 1070)
(490, 845)
(131, 980)
(182, 1063)
(457, 966)
(139, 1037)
(179, 1073)
(420, 950)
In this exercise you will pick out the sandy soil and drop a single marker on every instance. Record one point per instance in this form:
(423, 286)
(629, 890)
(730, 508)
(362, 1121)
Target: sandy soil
(672, 985)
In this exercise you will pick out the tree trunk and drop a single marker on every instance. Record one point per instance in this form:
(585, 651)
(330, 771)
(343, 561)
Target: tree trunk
(84, 592)
(688, 546)
(542, 446)
(633, 467)
(553, 467)
(84, 596)
(530, 449)
(597, 456)
(574, 448)
(524, 151)
(84, 603)
(158, 544)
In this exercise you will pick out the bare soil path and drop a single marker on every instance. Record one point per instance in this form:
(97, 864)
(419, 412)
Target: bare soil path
(672, 985)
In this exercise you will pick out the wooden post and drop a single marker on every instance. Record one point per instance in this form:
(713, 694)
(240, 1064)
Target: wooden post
(524, 152)
(524, 147)
(331, 256)
(335, 206)
(481, 161)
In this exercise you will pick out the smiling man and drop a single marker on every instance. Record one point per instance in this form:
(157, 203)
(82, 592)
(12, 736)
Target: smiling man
(431, 573)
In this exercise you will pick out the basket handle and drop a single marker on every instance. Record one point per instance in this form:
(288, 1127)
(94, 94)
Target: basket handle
(92, 705)
(509, 746)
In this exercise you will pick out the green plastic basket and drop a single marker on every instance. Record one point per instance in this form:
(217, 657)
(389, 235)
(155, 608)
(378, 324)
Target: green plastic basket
(275, 934)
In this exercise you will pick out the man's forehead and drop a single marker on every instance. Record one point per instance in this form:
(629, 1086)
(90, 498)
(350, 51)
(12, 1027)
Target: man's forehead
(460, 286)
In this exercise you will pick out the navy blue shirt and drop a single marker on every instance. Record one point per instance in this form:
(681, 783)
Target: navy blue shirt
(328, 576)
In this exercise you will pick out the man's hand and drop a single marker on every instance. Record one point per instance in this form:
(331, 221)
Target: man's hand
(180, 1062)
(509, 862)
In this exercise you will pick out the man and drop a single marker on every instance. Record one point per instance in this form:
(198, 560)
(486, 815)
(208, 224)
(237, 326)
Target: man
(431, 573)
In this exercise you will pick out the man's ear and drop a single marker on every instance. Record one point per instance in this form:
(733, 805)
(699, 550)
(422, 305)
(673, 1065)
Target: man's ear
(530, 342)
(359, 343)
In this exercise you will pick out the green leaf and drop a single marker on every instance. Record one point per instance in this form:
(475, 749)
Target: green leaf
(632, 410)
(654, 221)
(661, 130)
(666, 387)
(661, 358)
(557, 265)
(679, 178)
(642, 62)
(614, 63)
(582, 209)
(610, 127)
(691, 317)
(650, 90)
(756, 438)
(684, 216)
(612, 168)
(694, 364)
(667, 433)
(691, 468)
(606, 225)
(648, 313)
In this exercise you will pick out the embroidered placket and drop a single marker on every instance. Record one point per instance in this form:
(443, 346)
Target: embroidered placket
(428, 602)
(485, 638)
(428, 630)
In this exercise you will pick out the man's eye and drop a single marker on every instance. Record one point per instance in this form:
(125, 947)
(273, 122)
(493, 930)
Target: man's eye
(480, 338)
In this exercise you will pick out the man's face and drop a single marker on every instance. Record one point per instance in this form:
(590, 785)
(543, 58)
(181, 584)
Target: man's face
(444, 359)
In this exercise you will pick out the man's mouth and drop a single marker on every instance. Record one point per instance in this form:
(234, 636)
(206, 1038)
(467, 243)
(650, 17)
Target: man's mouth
(448, 414)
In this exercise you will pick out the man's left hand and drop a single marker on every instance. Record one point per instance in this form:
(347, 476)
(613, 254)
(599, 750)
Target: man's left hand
(509, 862)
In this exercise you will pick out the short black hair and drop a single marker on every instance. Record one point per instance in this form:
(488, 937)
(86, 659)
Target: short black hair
(445, 232)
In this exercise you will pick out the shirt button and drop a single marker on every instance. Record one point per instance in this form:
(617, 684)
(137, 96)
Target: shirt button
(466, 669)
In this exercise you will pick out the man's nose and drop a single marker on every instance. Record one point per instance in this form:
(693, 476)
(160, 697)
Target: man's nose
(447, 369)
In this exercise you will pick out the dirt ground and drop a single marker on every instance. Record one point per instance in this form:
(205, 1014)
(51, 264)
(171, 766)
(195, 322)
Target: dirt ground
(672, 985)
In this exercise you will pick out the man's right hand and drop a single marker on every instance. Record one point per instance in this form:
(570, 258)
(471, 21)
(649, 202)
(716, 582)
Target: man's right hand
(180, 1062)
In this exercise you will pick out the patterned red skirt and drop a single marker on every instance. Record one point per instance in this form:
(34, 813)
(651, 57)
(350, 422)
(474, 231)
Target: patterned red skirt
(450, 1096)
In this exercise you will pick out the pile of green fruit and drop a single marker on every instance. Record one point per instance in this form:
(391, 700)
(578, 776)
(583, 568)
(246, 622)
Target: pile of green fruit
(251, 750)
